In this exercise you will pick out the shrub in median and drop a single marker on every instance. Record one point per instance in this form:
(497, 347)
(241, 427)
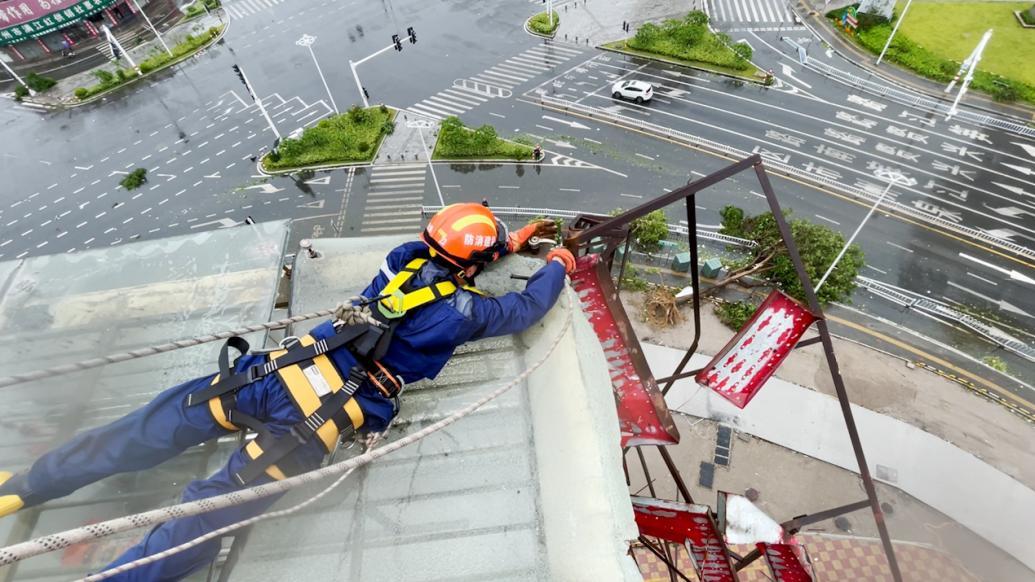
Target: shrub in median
(20, 92)
(350, 137)
(456, 141)
(690, 39)
(542, 24)
(39, 83)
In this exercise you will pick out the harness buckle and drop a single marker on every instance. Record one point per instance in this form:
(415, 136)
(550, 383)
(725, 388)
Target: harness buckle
(396, 300)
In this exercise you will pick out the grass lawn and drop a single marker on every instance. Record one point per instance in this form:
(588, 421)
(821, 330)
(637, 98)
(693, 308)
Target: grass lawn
(751, 73)
(952, 29)
(353, 136)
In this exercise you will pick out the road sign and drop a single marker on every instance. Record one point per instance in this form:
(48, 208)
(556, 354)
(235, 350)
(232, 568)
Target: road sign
(740, 370)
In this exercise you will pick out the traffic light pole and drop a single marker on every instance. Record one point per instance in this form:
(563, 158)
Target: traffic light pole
(354, 64)
(114, 41)
(258, 101)
(17, 78)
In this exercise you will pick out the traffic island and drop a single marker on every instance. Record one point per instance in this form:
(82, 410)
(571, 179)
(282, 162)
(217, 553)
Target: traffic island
(691, 43)
(542, 25)
(347, 139)
(458, 142)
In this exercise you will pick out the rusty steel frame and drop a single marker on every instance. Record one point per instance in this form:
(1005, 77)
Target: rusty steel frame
(612, 231)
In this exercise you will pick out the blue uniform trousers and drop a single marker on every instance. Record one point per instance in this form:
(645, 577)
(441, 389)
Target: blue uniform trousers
(158, 432)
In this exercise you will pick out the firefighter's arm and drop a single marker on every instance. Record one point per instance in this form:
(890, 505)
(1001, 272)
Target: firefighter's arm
(518, 310)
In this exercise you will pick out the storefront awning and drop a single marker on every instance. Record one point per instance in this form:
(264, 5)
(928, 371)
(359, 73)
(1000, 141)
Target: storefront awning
(21, 20)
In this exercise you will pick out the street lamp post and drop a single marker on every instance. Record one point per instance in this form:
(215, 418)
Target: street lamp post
(153, 29)
(893, 31)
(307, 42)
(892, 180)
(16, 77)
(968, 66)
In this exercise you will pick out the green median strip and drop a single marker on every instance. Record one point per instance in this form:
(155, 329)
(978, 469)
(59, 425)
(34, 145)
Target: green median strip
(112, 80)
(541, 23)
(457, 142)
(689, 42)
(352, 137)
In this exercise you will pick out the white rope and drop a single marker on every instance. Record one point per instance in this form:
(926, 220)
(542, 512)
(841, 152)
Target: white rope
(53, 542)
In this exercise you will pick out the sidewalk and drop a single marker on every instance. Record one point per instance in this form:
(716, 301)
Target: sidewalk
(404, 144)
(960, 450)
(812, 13)
(600, 21)
(63, 94)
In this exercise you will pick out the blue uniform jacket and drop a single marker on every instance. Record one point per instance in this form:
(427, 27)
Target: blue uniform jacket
(428, 335)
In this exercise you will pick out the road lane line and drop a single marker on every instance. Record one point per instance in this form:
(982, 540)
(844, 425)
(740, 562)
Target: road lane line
(900, 247)
(830, 220)
(980, 278)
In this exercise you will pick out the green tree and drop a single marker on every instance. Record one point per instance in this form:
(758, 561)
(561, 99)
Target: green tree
(817, 244)
(650, 230)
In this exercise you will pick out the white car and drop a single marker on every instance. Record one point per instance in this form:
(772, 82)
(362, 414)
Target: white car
(638, 91)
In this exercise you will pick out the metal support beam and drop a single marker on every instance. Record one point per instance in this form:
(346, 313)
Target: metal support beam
(674, 471)
(671, 567)
(835, 372)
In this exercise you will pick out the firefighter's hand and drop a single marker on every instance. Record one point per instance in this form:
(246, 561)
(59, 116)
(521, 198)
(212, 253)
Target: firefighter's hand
(564, 257)
(352, 313)
(518, 240)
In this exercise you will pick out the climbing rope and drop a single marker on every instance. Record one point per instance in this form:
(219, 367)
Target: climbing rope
(53, 542)
(157, 349)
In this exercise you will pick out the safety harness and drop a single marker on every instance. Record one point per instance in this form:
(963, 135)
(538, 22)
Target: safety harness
(323, 395)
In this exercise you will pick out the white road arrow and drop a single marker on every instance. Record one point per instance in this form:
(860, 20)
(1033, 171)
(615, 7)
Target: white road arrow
(314, 204)
(115, 172)
(90, 167)
(266, 188)
(1015, 189)
(166, 176)
(561, 144)
(323, 181)
(1011, 211)
(1010, 273)
(1026, 147)
(789, 72)
(1022, 169)
(1003, 233)
(572, 124)
(222, 222)
(1001, 303)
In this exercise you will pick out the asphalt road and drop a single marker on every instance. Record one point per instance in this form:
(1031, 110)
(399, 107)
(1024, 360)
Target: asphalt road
(196, 130)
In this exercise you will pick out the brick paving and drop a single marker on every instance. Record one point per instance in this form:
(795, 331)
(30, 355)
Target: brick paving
(836, 558)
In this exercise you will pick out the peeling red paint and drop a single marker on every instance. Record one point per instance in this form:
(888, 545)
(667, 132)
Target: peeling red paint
(787, 562)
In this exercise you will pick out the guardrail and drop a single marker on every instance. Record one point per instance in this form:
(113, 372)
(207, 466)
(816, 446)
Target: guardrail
(909, 98)
(777, 167)
(929, 306)
(676, 231)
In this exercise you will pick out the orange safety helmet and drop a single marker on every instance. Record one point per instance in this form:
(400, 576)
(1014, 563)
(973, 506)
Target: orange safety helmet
(465, 235)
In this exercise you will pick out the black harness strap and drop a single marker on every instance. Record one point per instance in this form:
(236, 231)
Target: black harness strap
(330, 409)
(296, 354)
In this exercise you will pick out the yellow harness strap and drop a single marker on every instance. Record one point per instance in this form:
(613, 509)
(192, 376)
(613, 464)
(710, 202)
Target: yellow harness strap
(398, 303)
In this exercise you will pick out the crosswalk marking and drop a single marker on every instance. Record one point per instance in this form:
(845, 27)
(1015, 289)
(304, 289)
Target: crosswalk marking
(393, 204)
(751, 11)
(494, 82)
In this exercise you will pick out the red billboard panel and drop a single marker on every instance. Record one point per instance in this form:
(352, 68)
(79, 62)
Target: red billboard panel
(787, 562)
(643, 416)
(740, 370)
(691, 525)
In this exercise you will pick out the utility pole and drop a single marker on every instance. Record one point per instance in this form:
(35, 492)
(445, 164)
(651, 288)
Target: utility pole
(893, 179)
(258, 101)
(307, 41)
(16, 77)
(116, 48)
(893, 31)
(153, 29)
(968, 67)
(396, 44)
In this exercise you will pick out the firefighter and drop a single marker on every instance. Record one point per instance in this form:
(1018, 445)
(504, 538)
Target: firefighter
(346, 372)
